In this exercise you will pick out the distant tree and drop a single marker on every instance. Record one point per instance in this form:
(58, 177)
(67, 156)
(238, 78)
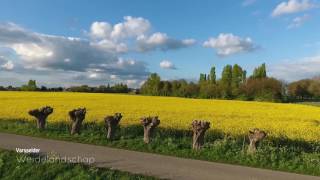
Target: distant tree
(43, 88)
(244, 76)
(213, 75)
(314, 88)
(209, 90)
(203, 77)
(56, 89)
(10, 88)
(152, 85)
(102, 89)
(226, 81)
(175, 86)
(260, 72)
(300, 89)
(120, 88)
(237, 79)
(264, 89)
(232, 84)
(183, 88)
(167, 88)
(31, 86)
(192, 90)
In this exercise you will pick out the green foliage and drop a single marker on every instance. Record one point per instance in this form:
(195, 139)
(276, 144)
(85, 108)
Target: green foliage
(306, 89)
(31, 86)
(237, 79)
(232, 85)
(273, 153)
(260, 72)
(203, 78)
(117, 88)
(152, 85)
(263, 89)
(213, 77)
(226, 81)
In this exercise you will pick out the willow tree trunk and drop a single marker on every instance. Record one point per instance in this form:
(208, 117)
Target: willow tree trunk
(199, 128)
(41, 122)
(41, 115)
(255, 137)
(76, 127)
(111, 123)
(149, 124)
(77, 116)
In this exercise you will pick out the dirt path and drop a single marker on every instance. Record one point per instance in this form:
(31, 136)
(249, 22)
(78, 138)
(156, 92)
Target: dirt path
(146, 163)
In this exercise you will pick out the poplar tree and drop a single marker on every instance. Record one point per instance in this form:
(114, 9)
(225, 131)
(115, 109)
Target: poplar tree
(237, 76)
(226, 81)
(213, 75)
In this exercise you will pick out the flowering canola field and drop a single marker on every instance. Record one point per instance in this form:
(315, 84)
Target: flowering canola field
(233, 117)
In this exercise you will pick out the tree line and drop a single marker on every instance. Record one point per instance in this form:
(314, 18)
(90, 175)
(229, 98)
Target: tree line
(32, 86)
(234, 84)
(305, 89)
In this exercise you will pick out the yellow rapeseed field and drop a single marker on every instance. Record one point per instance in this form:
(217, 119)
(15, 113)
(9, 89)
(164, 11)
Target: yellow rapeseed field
(234, 117)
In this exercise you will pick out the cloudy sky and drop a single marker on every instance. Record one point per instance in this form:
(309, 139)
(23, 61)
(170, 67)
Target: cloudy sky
(98, 42)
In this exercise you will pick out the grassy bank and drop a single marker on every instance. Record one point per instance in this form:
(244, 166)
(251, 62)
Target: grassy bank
(278, 154)
(12, 166)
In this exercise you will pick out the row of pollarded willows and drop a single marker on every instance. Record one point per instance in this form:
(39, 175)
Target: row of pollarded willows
(149, 124)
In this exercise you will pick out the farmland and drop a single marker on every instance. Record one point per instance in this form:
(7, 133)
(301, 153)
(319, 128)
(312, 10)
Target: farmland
(292, 142)
(231, 117)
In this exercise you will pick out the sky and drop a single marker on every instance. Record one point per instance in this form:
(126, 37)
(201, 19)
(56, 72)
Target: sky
(66, 43)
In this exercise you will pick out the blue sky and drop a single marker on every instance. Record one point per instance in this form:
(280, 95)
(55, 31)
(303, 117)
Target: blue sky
(177, 39)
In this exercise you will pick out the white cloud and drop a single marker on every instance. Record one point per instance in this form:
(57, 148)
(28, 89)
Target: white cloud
(188, 42)
(93, 75)
(136, 31)
(112, 76)
(161, 41)
(67, 60)
(8, 65)
(132, 82)
(292, 70)
(38, 53)
(12, 33)
(292, 6)
(131, 27)
(73, 59)
(165, 64)
(111, 46)
(298, 21)
(100, 30)
(31, 51)
(113, 38)
(229, 44)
